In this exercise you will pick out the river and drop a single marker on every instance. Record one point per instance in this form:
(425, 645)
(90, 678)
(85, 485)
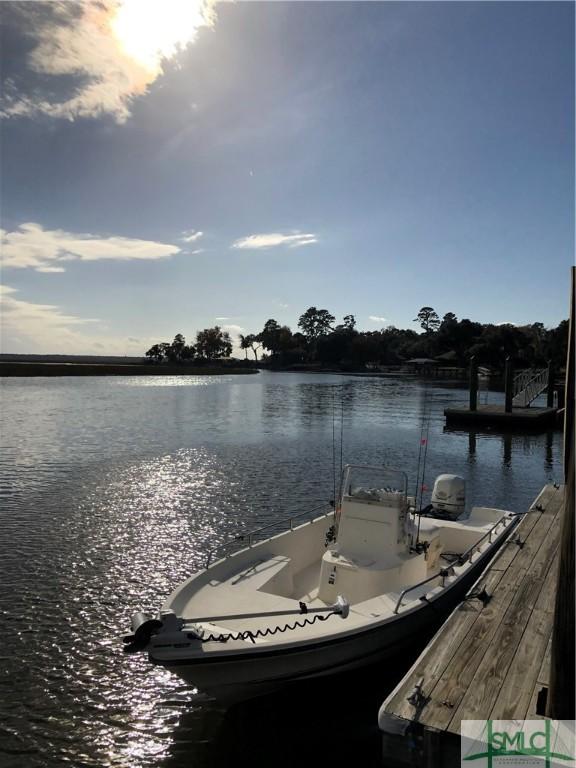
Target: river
(113, 491)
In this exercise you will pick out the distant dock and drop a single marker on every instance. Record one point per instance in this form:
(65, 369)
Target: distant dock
(536, 419)
(517, 412)
(489, 660)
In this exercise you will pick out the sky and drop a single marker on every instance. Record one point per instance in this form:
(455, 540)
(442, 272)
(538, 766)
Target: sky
(170, 165)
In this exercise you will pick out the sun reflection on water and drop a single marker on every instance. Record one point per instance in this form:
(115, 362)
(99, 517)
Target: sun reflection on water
(174, 381)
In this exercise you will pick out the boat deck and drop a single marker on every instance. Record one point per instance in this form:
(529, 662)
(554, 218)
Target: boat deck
(265, 583)
(487, 661)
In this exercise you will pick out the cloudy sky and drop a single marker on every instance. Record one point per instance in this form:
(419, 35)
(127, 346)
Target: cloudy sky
(168, 165)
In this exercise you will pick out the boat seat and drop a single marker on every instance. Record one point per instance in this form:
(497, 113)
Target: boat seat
(459, 535)
(428, 528)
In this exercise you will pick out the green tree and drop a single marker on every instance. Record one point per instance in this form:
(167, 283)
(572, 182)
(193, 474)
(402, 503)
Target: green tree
(157, 352)
(188, 352)
(269, 336)
(254, 344)
(349, 322)
(213, 343)
(176, 349)
(557, 344)
(445, 339)
(449, 318)
(315, 323)
(537, 336)
(497, 342)
(245, 344)
(428, 319)
(366, 348)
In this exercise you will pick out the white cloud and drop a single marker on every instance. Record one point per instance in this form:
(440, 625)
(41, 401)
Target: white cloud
(190, 236)
(377, 319)
(234, 331)
(47, 329)
(34, 324)
(115, 49)
(222, 319)
(274, 239)
(32, 246)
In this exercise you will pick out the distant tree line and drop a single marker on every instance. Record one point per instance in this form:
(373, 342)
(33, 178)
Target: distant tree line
(321, 342)
(211, 344)
(450, 340)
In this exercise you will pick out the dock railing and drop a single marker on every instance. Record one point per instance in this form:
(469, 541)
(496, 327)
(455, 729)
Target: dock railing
(528, 385)
(247, 540)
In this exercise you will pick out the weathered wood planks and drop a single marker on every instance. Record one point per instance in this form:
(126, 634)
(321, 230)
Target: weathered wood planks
(492, 660)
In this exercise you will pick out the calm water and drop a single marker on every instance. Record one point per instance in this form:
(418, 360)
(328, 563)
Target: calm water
(114, 489)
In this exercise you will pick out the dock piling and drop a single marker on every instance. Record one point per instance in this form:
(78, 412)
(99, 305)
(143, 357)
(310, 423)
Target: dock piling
(550, 388)
(508, 385)
(560, 700)
(473, 384)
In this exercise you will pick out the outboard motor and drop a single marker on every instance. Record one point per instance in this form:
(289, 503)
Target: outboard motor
(143, 627)
(449, 496)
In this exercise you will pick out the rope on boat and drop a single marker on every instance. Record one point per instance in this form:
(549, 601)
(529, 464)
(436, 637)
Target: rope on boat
(253, 634)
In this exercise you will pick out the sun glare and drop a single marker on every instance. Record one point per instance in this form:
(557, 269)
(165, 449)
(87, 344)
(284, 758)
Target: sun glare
(151, 30)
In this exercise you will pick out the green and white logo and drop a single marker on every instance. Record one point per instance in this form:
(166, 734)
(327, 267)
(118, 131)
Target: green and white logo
(517, 744)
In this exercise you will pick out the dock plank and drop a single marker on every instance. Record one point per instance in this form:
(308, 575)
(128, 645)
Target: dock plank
(544, 674)
(448, 693)
(515, 695)
(542, 681)
(509, 551)
(439, 654)
(489, 675)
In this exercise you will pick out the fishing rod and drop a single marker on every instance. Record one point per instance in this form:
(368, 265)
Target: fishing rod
(341, 444)
(423, 477)
(422, 455)
(420, 444)
(334, 447)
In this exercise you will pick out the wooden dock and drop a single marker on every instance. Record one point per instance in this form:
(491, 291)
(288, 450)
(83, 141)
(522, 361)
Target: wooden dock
(486, 661)
(529, 419)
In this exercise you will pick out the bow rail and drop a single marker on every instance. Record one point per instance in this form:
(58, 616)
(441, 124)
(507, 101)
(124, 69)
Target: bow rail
(246, 540)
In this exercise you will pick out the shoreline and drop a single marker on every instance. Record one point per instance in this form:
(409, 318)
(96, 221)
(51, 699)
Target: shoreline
(114, 369)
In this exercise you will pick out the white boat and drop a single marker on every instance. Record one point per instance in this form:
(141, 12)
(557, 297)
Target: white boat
(344, 589)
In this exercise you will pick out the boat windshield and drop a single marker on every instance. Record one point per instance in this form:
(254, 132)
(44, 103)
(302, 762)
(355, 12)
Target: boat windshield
(373, 483)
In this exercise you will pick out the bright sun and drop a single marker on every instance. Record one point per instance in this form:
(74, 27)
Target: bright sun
(151, 30)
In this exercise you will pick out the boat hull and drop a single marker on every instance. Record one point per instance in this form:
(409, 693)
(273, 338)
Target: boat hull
(238, 677)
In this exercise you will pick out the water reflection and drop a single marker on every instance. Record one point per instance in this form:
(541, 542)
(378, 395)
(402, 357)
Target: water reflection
(514, 446)
(174, 381)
